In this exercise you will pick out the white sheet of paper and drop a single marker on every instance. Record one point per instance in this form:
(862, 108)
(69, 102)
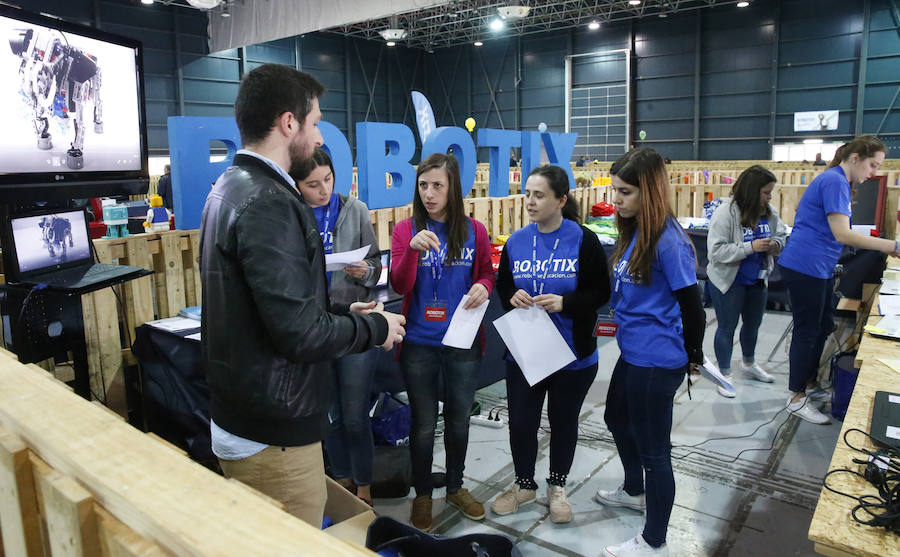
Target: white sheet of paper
(891, 324)
(195, 336)
(534, 342)
(175, 324)
(889, 305)
(890, 286)
(711, 372)
(464, 325)
(337, 261)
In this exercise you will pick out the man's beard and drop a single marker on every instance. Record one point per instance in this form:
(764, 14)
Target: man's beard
(297, 157)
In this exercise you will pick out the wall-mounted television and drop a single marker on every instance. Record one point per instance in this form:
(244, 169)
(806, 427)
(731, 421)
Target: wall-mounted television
(71, 109)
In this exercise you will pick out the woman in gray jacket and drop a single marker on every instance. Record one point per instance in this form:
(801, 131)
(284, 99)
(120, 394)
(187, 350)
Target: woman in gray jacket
(344, 225)
(744, 235)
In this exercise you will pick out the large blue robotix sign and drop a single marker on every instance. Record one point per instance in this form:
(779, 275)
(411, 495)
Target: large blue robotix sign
(382, 149)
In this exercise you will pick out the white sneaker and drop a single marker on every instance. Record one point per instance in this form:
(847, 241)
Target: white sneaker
(635, 547)
(818, 394)
(560, 510)
(804, 409)
(726, 392)
(620, 498)
(753, 371)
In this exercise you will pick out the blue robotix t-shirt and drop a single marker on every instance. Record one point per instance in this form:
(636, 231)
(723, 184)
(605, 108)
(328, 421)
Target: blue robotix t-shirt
(649, 317)
(439, 282)
(749, 271)
(326, 219)
(548, 264)
(812, 248)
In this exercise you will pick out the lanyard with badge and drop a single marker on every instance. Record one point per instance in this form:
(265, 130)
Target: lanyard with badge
(606, 325)
(547, 264)
(323, 229)
(435, 309)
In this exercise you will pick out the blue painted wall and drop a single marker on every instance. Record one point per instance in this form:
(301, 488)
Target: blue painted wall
(704, 82)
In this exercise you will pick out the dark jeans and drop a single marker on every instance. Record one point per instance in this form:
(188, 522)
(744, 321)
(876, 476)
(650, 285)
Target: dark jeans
(565, 391)
(812, 306)
(432, 373)
(349, 443)
(639, 416)
(741, 301)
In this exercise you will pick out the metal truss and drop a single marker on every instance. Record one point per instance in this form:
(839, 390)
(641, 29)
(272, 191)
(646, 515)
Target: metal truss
(463, 22)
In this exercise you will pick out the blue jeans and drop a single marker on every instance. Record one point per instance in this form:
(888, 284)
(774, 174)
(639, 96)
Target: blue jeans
(812, 306)
(747, 302)
(432, 373)
(639, 416)
(349, 443)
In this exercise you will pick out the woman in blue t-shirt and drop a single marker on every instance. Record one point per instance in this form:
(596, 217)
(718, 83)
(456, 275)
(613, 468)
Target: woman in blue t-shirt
(661, 322)
(344, 225)
(821, 228)
(437, 257)
(744, 235)
(559, 266)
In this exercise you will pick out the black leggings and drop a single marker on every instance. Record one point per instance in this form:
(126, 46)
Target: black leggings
(566, 390)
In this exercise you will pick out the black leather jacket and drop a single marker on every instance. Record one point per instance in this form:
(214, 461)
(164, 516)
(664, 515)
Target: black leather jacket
(268, 335)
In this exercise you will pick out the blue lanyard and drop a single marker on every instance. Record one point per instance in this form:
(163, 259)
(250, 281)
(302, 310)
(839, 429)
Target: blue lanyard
(534, 283)
(437, 265)
(323, 230)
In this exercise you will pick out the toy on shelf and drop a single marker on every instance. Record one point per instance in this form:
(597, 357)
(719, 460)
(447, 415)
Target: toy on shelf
(115, 217)
(158, 216)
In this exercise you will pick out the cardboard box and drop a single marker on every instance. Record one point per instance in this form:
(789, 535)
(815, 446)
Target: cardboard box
(350, 515)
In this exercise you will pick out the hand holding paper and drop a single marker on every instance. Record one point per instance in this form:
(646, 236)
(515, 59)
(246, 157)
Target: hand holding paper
(337, 261)
(534, 342)
(464, 324)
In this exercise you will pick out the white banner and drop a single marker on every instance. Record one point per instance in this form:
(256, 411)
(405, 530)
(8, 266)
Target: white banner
(816, 121)
(255, 21)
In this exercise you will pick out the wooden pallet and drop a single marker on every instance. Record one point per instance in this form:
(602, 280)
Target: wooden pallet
(76, 480)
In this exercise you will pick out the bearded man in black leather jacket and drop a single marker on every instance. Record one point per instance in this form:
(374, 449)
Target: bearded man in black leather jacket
(268, 329)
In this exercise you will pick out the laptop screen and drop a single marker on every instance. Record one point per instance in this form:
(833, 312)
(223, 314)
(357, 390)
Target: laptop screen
(50, 240)
(385, 268)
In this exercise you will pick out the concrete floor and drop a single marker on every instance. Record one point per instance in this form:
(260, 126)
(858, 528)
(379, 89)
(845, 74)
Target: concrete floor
(761, 504)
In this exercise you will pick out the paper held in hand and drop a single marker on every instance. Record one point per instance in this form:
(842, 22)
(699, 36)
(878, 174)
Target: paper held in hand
(534, 342)
(711, 372)
(464, 325)
(337, 261)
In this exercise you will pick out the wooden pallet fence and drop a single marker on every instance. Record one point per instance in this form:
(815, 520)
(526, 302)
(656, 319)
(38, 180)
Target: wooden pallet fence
(76, 480)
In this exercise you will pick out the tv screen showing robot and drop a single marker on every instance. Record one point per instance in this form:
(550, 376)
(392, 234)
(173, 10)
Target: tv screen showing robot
(68, 103)
(46, 241)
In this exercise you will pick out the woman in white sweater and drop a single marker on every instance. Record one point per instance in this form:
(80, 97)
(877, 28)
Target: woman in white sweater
(744, 235)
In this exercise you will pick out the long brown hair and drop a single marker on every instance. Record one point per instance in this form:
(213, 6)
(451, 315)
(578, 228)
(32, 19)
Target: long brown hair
(457, 222)
(864, 146)
(745, 193)
(644, 169)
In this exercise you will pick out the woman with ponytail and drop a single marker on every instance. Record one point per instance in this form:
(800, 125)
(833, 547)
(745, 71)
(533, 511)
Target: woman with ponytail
(560, 266)
(821, 229)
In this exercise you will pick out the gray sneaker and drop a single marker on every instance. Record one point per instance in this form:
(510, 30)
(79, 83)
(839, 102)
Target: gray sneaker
(620, 498)
(804, 409)
(753, 371)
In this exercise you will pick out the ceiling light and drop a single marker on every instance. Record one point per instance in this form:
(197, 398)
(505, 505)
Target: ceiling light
(513, 13)
(391, 43)
(497, 25)
(634, 2)
(812, 141)
(393, 34)
(478, 43)
(594, 25)
(743, 4)
(146, 1)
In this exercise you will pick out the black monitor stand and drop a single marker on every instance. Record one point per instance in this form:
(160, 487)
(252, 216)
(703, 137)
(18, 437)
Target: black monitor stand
(42, 324)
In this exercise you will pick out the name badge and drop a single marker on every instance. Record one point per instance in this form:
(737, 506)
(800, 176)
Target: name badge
(436, 310)
(605, 327)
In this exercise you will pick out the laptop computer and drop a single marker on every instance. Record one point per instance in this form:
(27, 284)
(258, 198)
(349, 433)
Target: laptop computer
(53, 248)
(885, 428)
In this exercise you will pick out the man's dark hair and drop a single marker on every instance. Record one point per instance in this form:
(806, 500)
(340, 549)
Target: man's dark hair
(269, 91)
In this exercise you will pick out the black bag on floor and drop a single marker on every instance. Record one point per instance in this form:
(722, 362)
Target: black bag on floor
(391, 472)
(395, 538)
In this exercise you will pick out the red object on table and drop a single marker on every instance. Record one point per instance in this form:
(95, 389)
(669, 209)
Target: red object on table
(496, 252)
(602, 209)
(96, 227)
